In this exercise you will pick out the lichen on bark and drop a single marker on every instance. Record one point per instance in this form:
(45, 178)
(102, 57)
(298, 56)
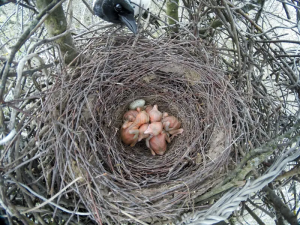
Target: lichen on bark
(172, 12)
(56, 23)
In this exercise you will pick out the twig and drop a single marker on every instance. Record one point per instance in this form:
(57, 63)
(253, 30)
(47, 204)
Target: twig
(269, 213)
(47, 40)
(49, 201)
(27, 33)
(88, 6)
(258, 220)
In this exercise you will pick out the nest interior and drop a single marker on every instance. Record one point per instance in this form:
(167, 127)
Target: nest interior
(84, 112)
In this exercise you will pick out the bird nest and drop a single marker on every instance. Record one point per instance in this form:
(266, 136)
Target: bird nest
(84, 116)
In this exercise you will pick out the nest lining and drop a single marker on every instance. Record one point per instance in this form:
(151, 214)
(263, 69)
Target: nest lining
(86, 115)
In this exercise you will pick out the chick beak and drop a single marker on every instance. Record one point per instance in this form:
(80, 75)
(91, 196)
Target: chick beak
(129, 21)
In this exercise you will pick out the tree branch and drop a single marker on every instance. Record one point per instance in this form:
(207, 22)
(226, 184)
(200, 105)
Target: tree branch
(280, 206)
(292, 172)
(258, 220)
(252, 159)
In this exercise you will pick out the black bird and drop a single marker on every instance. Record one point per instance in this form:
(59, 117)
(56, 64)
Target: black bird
(116, 11)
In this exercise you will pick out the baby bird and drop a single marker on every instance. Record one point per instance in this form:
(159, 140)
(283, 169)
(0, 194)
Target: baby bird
(171, 124)
(157, 144)
(154, 128)
(142, 129)
(130, 130)
(141, 118)
(129, 135)
(155, 115)
(148, 108)
(130, 115)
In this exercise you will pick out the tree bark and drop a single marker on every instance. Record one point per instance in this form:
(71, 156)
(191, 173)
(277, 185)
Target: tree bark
(172, 12)
(56, 23)
(280, 206)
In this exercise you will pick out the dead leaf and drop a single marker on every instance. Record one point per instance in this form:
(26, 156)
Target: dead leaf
(149, 78)
(192, 76)
(217, 143)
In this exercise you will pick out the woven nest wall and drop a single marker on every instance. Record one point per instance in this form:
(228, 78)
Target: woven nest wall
(122, 183)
